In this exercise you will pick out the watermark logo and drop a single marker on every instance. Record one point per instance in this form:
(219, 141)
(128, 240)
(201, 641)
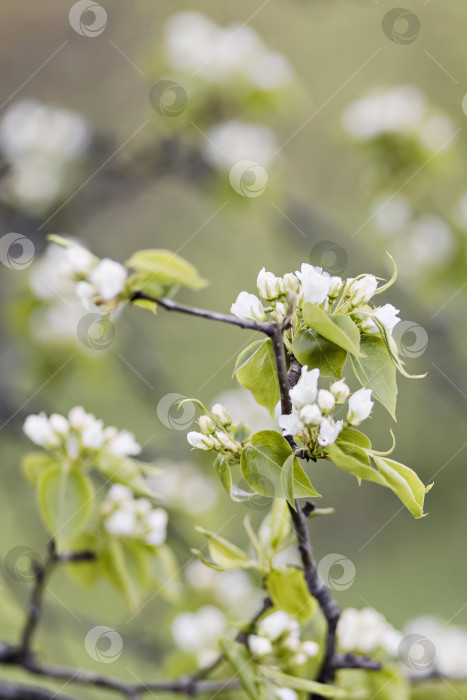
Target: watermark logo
(168, 98)
(338, 572)
(88, 18)
(401, 26)
(411, 339)
(95, 331)
(16, 251)
(103, 644)
(174, 416)
(249, 179)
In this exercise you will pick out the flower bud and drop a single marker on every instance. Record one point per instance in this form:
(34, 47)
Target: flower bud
(206, 425)
(226, 441)
(360, 405)
(311, 415)
(326, 400)
(200, 441)
(362, 290)
(220, 413)
(269, 286)
(335, 287)
(340, 391)
(291, 283)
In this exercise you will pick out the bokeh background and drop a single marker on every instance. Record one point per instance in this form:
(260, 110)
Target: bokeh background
(145, 176)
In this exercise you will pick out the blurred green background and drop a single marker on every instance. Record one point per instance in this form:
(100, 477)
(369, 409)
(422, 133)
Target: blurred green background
(318, 191)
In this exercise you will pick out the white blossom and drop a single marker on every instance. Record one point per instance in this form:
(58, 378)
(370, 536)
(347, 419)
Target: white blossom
(387, 315)
(248, 307)
(329, 431)
(449, 643)
(285, 694)
(360, 406)
(260, 646)
(292, 283)
(156, 521)
(234, 141)
(226, 441)
(127, 516)
(124, 444)
(121, 522)
(40, 432)
(108, 278)
(311, 415)
(269, 286)
(291, 423)
(315, 283)
(365, 631)
(326, 400)
(207, 425)
(200, 631)
(306, 389)
(276, 624)
(362, 289)
(59, 424)
(340, 390)
(335, 287)
(200, 441)
(220, 413)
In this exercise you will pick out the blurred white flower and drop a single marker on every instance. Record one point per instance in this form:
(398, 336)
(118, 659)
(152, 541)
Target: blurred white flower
(365, 631)
(277, 623)
(360, 406)
(199, 632)
(285, 694)
(391, 215)
(183, 486)
(108, 278)
(126, 516)
(39, 430)
(449, 646)
(431, 241)
(259, 646)
(234, 141)
(242, 407)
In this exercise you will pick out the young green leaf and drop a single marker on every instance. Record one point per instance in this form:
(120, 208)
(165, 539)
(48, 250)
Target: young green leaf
(238, 657)
(376, 371)
(35, 463)
(126, 565)
(262, 460)
(225, 553)
(337, 328)
(313, 350)
(354, 437)
(354, 460)
(404, 482)
(66, 499)
(326, 691)
(295, 481)
(256, 371)
(222, 467)
(288, 590)
(166, 267)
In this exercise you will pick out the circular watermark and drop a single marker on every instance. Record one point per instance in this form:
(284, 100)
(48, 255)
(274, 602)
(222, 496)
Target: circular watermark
(96, 331)
(16, 251)
(329, 255)
(168, 98)
(88, 18)
(21, 563)
(174, 416)
(417, 653)
(249, 179)
(401, 26)
(464, 105)
(103, 644)
(411, 339)
(337, 571)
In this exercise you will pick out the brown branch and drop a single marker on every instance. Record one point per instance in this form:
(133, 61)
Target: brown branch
(19, 691)
(262, 326)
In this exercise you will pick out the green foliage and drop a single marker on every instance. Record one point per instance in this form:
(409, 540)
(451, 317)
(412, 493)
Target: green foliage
(404, 482)
(126, 565)
(375, 370)
(256, 371)
(297, 683)
(66, 499)
(262, 461)
(165, 268)
(289, 592)
(339, 329)
(238, 657)
(314, 350)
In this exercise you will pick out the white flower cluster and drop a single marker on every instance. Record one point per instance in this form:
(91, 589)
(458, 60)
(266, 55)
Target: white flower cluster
(198, 632)
(127, 516)
(278, 635)
(400, 110)
(196, 45)
(80, 435)
(42, 146)
(183, 486)
(445, 648)
(311, 417)
(365, 631)
(98, 283)
(235, 141)
(216, 433)
(312, 284)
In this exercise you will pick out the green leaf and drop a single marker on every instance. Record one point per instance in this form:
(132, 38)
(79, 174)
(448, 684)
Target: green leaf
(339, 329)
(354, 460)
(354, 437)
(313, 350)
(126, 565)
(376, 371)
(225, 553)
(66, 499)
(288, 590)
(166, 267)
(277, 524)
(295, 481)
(256, 371)
(165, 572)
(326, 691)
(222, 467)
(404, 482)
(126, 471)
(262, 460)
(238, 657)
(85, 572)
(35, 463)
